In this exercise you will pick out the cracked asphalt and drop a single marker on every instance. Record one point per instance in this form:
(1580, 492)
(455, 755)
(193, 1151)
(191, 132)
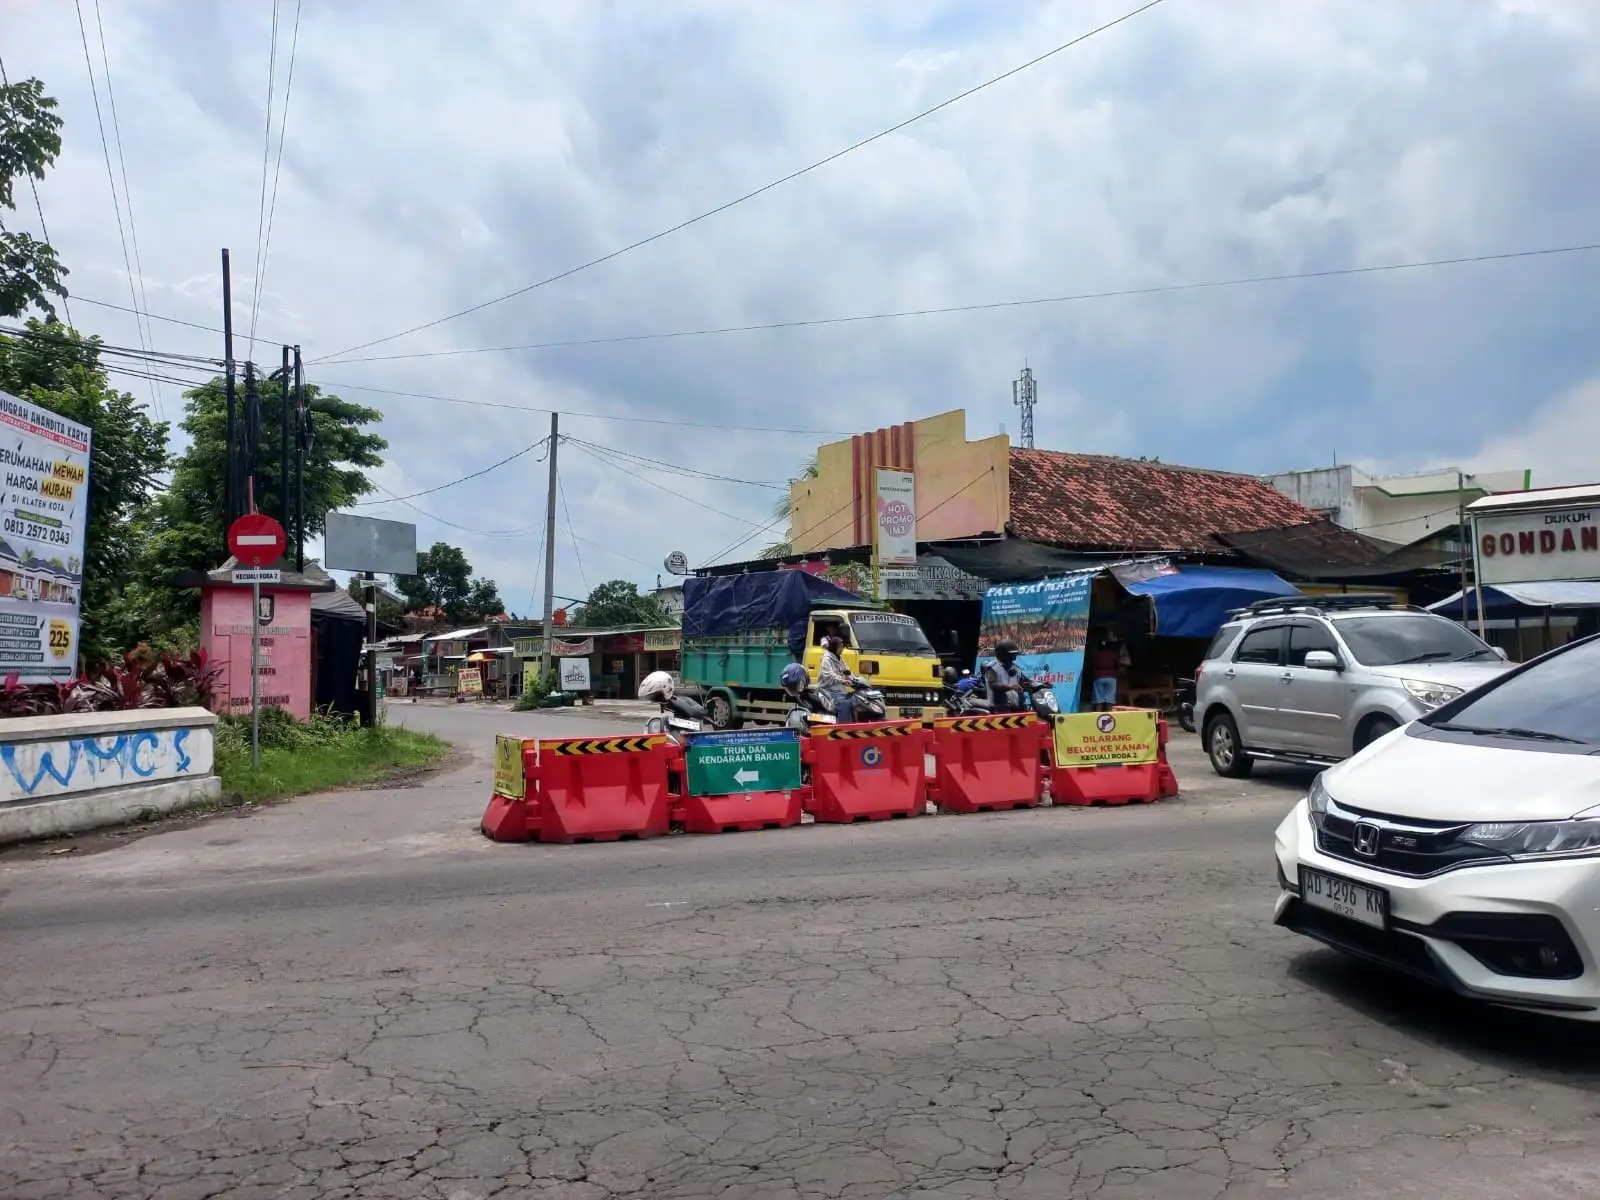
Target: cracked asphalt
(356, 995)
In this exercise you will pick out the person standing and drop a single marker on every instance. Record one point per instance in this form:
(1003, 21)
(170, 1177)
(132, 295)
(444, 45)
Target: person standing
(1105, 668)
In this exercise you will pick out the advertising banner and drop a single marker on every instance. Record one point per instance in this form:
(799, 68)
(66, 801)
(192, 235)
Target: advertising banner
(509, 777)
(44, 504)
(469, 681)
(895, 537)
(564, 649)
(662, 639)
(1539, 546)
(1049, 620)
(574, 674)
(1125, 737)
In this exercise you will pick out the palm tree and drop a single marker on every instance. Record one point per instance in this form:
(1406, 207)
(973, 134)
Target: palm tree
(782, 512)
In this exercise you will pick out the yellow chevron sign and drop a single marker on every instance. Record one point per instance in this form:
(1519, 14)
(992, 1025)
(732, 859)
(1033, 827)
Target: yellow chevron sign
(978, 724)
(877, 731)
(604, 745)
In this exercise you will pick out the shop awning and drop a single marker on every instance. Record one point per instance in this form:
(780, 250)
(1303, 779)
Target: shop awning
(1194, 602)
(1504, 599)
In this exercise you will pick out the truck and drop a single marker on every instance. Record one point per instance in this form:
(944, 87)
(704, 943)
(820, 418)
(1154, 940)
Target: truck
(740, 631)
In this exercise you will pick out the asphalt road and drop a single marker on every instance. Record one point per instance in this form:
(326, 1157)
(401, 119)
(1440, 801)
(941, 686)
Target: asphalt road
(356, 995)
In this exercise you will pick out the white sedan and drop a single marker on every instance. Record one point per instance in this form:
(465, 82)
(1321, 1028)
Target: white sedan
(1464, 848)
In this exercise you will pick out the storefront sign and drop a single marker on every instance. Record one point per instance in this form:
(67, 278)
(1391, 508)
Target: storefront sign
(624, 643)
(527, 647)
(574, 674)
(469, 681)
(1539, 546)
(1049, 620)
(1126, 737)
(667, 639)
(565, 649)
(509, 776)
(936, 579)
(43, 507)
(894, 538)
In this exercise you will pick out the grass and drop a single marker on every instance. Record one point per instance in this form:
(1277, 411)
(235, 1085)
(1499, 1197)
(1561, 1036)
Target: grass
(297, 760)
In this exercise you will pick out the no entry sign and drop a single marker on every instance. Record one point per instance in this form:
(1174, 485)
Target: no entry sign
(256, 538)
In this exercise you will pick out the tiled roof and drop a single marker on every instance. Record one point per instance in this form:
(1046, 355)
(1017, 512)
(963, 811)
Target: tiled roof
(1322, 550)
(1088, 501)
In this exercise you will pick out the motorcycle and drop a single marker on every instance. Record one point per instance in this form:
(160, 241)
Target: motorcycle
(679, 717)
(814, 707)
(961, 695)
(1186, 694)
(1043, 699)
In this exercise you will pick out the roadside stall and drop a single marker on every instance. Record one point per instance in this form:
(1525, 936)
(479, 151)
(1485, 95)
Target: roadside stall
(1527, 619)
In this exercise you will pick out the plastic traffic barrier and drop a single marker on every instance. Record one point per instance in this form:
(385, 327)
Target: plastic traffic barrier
(585, 789)
(867, 772)
(1106, 758)
(1169, 780)
(987, 763)
(739, 781)
(506, 818)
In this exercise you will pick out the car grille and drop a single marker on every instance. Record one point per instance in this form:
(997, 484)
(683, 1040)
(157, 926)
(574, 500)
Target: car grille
(1413, 848)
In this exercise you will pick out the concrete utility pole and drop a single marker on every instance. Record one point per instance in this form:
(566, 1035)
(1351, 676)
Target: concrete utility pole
(550, 552)
(230, 488)
(1024, 394)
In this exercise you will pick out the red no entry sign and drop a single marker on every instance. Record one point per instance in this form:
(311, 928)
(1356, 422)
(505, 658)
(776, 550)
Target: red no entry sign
(256, 538)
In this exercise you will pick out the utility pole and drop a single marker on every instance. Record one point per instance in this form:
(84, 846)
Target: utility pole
(251, 436)
(1461, 538)
(302, 439)
(230, 491)
(372, 649)
(550, 552)
(1024, 394)
(283, 442)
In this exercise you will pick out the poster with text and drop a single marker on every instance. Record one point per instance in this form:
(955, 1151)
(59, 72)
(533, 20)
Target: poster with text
(1049, 622)
(44, 506)
(895, 539)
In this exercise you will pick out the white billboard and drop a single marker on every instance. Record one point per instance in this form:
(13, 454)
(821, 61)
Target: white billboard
(894, 540)
(573, 674)
(44, 507)
(1531, 547)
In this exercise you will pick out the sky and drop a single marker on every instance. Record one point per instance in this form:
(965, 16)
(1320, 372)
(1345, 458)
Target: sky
(431, 163)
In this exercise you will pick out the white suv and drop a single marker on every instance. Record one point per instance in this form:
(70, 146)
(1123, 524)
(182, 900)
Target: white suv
(1315, 679)
(1465, 848)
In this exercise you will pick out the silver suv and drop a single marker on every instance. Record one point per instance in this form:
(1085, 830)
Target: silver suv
(1316, 679)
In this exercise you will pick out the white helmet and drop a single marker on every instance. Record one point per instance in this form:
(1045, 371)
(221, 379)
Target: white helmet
(657, 685)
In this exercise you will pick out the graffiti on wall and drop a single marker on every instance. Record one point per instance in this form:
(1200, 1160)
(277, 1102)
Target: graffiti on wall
(54, 768)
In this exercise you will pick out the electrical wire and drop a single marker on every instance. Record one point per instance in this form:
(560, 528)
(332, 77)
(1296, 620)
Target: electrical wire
(946, 310)
(97, 347)
(38, 207)
(675, 468)
(272, 207)
(623, 467)
(571, 532)
(266, 158)
(586, 416)
(776, 183)
(527, 531)
(111, 179)
(528, 449)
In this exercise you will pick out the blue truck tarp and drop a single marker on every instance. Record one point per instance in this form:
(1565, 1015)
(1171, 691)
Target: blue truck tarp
(720, 605)
(1195, 601)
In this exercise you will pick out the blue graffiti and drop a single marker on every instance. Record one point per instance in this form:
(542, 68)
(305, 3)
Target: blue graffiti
(135, 753)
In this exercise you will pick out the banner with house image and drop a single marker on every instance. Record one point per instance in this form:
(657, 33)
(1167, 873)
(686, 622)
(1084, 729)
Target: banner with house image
(1049, 621)
(44, 506)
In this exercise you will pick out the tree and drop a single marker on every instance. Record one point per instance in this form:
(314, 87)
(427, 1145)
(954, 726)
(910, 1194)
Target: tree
(30, 139)
(618, 602)
(57, 368)
(389, 612)
(782, 510)
(444, 582)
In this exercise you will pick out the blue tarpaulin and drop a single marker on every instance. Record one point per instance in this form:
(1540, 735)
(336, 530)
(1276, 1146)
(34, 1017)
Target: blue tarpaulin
(1195, 601)
(720, 605)
(1515, 599)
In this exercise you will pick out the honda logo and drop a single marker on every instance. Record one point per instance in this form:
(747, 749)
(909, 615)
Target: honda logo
(1364, 839)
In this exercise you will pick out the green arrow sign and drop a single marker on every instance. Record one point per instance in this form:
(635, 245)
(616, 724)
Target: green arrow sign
(727, 764)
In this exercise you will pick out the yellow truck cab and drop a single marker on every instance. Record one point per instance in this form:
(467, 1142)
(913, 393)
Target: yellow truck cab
(887, 649)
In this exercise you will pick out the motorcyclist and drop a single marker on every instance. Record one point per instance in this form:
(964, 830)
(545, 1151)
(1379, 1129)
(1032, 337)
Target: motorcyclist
(834, 679)
(1003, 680)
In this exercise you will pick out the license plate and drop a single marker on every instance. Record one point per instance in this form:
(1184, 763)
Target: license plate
(1347, 898)
(908, 713)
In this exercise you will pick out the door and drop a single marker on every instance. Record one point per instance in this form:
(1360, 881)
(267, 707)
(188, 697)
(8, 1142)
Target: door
(1314, 702)
(1253, 680)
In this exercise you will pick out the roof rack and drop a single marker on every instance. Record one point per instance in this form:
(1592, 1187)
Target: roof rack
(1322, 604)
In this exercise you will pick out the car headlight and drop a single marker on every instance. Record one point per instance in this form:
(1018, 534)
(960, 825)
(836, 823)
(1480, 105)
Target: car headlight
(1430, 695)
(1537, 839)
(1317, 801)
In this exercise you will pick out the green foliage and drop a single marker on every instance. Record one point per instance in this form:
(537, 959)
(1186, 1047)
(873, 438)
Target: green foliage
(30, 140)
(444, 583)
(781, 511)
(389, 612)
(59, 369)
(322, 753)
(618, 602)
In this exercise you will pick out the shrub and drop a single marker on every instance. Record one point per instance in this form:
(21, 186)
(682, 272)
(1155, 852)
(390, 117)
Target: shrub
(143, 679)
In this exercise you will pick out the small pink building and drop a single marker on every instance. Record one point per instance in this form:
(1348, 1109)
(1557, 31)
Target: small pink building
(228, 620)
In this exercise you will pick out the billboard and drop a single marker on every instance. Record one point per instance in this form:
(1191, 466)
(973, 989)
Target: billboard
(351, 543)
(1532, 547)
(894, 536)
(1049, 621)
(44, 507)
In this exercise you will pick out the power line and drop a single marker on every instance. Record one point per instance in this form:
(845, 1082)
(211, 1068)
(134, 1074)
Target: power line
(111, 179)
(610, 462)
(532, 446)
(527, 531)
(266, 157)
(272, 207)
(586, 416)
(793, 175)
(675, 468)
(946, 310)
(39, 208)
(571, 532)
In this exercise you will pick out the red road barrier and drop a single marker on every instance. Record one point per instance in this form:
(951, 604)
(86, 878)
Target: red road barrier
(1107, 758)
(867, 772)
(585, 789)
(1116, 784)
(738, 814)
(983, 764)
(1169, 780)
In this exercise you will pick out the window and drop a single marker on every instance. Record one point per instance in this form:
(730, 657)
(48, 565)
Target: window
(1223, 641)
(1261, 646)
(888, 633)
(1556, 697)
(1395, 639)
(1305, 638)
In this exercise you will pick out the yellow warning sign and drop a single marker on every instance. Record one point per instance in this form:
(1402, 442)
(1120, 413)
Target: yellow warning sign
(1126, 737)
(980, 724)
(509, 779)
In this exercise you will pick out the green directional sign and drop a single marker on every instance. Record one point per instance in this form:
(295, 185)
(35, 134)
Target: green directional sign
(726, 764)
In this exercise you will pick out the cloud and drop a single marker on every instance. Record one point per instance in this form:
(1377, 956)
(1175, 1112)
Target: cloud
(1556, 441)
(432, 165)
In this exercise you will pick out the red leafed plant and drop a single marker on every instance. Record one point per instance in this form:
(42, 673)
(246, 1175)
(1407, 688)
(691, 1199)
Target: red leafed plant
(140, 680)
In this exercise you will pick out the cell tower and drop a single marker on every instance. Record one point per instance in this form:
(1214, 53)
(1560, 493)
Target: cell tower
(1024, 393)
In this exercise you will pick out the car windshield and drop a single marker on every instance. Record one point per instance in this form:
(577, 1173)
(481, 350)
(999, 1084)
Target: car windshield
(1401, 638)
(890, 633)
(1553, 700)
